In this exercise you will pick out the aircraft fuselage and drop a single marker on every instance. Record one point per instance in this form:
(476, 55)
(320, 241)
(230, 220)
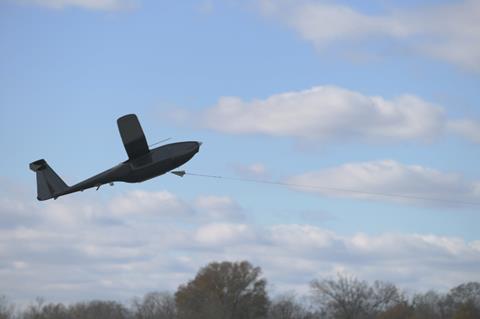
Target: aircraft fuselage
(157, 161)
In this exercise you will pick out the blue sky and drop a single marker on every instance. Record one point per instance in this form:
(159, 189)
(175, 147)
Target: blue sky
(377, 97)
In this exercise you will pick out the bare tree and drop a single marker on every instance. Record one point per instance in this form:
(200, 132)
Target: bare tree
(467, 292)
(465, 300)
(349, 298)
(225, 291)
(99, 309)
(34, 310)
(155, 305)
(402, 310)
(431, 305)
(287, 307)
(6, 309)
(47, 311)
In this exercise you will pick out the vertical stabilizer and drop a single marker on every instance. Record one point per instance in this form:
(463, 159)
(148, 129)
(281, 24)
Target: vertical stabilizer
(49, 184)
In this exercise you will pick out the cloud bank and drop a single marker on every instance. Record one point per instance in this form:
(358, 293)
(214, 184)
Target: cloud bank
(112, 249)
(325, 113)
(96, 5)
(469, 129)
(409, 182)
(449, 32)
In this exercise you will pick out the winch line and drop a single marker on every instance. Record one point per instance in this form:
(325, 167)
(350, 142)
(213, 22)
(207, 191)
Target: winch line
(335, 189)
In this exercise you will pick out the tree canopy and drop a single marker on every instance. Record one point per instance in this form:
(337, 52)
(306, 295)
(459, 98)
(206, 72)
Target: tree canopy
(225, 291)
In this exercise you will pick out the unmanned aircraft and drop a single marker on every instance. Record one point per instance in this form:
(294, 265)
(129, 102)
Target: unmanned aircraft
(142, 164)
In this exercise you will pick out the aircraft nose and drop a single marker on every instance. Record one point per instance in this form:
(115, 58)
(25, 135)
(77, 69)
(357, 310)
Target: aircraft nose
(195, 146)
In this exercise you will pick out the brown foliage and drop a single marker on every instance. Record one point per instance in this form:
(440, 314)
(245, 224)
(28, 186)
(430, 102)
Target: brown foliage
(225, 291)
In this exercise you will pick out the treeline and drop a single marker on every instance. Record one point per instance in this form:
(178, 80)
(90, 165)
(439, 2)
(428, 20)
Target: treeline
(237, 291)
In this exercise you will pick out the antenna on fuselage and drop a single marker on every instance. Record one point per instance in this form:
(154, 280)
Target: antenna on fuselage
(159, 142)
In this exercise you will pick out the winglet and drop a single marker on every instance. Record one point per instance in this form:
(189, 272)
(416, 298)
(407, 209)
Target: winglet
(179, 173)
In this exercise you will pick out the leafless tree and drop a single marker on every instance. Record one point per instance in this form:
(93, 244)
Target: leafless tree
(155, 305)
(287, 307)
(431, 305)
(47, 311)
(467, 292)
(99, 309)
(34, 310)
(464, 301)
(348, 298)
(402, 310)
(6, 309)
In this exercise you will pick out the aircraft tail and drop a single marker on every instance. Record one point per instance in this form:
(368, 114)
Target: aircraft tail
(49, 184)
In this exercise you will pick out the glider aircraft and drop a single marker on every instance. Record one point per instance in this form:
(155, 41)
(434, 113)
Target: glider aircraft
(142, 164)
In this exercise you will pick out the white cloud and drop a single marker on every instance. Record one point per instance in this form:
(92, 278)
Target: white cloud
(368, 180)
(135, 206)
(220, 234)
(218, 208)
(101, 5)
(311, 18)
(328, 112)
(254, 170)
(206, 7)
(301, 236)
(151, 203)
(16, 213)
(65, 261)
(467, 128)
(325, 113)
(450, 32)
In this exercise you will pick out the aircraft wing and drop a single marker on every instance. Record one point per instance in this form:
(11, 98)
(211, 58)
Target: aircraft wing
(132, 136)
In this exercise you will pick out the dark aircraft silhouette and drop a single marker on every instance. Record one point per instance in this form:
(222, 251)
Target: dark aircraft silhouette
(142, 163)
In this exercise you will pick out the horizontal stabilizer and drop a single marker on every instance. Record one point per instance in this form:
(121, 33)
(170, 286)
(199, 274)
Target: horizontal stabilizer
(38, 165)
